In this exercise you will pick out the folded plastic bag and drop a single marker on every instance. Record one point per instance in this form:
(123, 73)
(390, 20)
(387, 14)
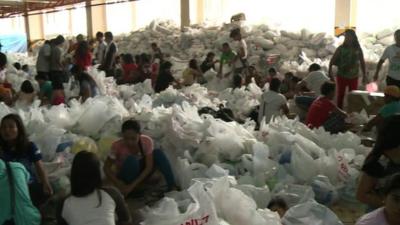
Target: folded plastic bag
(294, 194)
(261, 195)
(202, 211)
(310, 213)
(47, 141)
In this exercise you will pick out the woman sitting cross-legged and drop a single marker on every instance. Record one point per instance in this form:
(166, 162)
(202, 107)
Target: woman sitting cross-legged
(135, 159)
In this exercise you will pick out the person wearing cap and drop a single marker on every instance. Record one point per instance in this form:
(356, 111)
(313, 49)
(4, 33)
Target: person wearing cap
(391, 107)
(381, 163)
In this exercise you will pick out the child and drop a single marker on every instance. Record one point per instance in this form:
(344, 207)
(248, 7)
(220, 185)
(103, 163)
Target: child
(227, 58)
(208, 63)
(46, 89)
(191, 74)
(58, 96)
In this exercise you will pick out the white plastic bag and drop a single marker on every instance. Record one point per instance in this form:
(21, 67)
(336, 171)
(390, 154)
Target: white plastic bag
(302, 165)
(202, 211)
(310, 213)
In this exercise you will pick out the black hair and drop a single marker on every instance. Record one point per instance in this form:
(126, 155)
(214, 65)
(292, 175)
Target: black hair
(165, 65)
(226, 44)
(25, 67)
(327, 88)
(289, 74)
(58, 40)
(388, 137)
(82, 49)
(17, 65)
(131, 125)
(27, 87)
(275, 84)
(109, 35)
(22, 141)
(193, 64)
(127, 58)
(278, 202)
(154, 44)
(99, 34)
(314, 67)
(355, 44)
(144, 58)
(234, 32)
(3, 60)
(392, 184)
(85, 174)
(272, 70)
(210, 54)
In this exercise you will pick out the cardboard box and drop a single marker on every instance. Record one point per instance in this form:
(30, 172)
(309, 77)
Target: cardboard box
(359, 100)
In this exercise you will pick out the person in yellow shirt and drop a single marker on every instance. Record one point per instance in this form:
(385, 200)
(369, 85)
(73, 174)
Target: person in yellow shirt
(191, 74)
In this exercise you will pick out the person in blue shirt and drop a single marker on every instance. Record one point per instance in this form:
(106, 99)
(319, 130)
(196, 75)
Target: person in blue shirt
(15, 147)
(391, 107)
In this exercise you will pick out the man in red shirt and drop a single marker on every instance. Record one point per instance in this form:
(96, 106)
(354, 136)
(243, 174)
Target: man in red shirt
(323, 107)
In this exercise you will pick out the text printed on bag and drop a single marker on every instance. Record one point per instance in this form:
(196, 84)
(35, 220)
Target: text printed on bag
(201, 221)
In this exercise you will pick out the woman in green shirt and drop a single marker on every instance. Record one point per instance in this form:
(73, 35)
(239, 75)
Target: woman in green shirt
(348, 57)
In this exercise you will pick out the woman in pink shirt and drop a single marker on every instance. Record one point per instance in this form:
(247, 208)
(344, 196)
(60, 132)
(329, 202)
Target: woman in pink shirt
(389, 214)
(135, 159)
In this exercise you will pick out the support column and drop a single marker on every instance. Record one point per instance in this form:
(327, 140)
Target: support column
(185, 13)
(27, 30)
(134, 15)
(345, 15)
(200, 11)
(89, 21)
(98, 19)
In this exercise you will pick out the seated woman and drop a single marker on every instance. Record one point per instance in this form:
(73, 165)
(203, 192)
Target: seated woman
(90, 203)
(14, 188)
(129, 67)
(272, 103)
(391, 107)
(27, 94)
(323, 112)
(165, 78)
(381, 163)
(192, 74)
(87, 86)
(15, 147)
(135, 159)
(288, 87)
(389, 213)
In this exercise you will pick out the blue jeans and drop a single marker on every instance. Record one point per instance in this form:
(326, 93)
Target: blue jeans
(133, 167)
(304, 102)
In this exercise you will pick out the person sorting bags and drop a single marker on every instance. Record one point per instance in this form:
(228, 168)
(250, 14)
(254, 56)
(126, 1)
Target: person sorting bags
(135, 159)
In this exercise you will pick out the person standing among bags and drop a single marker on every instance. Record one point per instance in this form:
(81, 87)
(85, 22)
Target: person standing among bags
(43, 60)
(100, 49)
(57, 73)
(382, 162)
(348, 58)
(108, 64)
(136, 159)
(240, 61)
(392, 53)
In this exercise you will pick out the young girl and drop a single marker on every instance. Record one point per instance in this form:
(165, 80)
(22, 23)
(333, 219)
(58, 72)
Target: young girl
(58, 96)
(135, 159)
(15, 147)
(90, 203)
(348, 57)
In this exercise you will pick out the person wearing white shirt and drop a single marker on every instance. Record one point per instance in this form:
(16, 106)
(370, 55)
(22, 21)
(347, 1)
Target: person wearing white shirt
(100, 49)
(312, 82)
(43, 59)
(240, 62)
(272, 103)
(392, 53)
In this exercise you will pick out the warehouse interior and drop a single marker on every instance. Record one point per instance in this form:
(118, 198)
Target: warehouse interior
(199, 112)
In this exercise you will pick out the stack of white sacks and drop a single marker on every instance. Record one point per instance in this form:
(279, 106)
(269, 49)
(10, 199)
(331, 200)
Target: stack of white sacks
(230, 171)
